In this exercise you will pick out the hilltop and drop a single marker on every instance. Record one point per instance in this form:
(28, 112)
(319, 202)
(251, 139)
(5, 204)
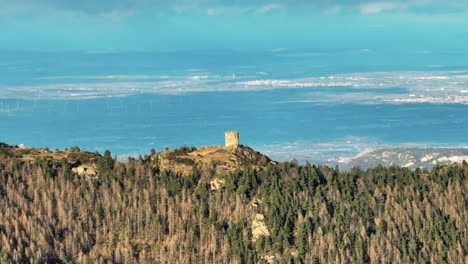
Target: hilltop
(223, 159)
(81, 162)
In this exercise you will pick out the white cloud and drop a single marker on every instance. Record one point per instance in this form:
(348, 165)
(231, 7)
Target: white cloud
(375, 8)
(119, 7)
(268, 8)
(215, 11)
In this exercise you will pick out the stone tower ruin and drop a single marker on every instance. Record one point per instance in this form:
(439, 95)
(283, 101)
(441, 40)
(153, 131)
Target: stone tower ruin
(232, 138)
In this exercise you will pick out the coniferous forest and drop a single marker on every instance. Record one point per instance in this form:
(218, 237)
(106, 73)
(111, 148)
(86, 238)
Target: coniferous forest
(132, 212)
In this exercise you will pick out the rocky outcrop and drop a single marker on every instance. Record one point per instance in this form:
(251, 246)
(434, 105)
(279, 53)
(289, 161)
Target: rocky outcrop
(217, 183)
(259, 227)
(85, 170)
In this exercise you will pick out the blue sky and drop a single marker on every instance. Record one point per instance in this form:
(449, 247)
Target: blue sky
(155, 25)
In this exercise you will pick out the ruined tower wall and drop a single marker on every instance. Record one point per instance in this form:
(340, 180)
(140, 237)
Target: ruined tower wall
(232, 138)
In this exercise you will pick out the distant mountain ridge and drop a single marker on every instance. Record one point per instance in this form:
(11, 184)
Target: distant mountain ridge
(406, 157)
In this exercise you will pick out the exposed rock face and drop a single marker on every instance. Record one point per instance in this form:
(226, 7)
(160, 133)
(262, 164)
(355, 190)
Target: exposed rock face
(85, 170)
(258, 227)
(269, 258)
(217, 183)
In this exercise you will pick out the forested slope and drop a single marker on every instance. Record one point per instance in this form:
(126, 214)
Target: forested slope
(134, 213)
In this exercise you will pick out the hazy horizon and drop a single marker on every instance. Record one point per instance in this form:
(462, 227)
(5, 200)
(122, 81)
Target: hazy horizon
(309, 80)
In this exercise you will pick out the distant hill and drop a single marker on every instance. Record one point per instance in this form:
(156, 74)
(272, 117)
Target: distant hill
(407, 157)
